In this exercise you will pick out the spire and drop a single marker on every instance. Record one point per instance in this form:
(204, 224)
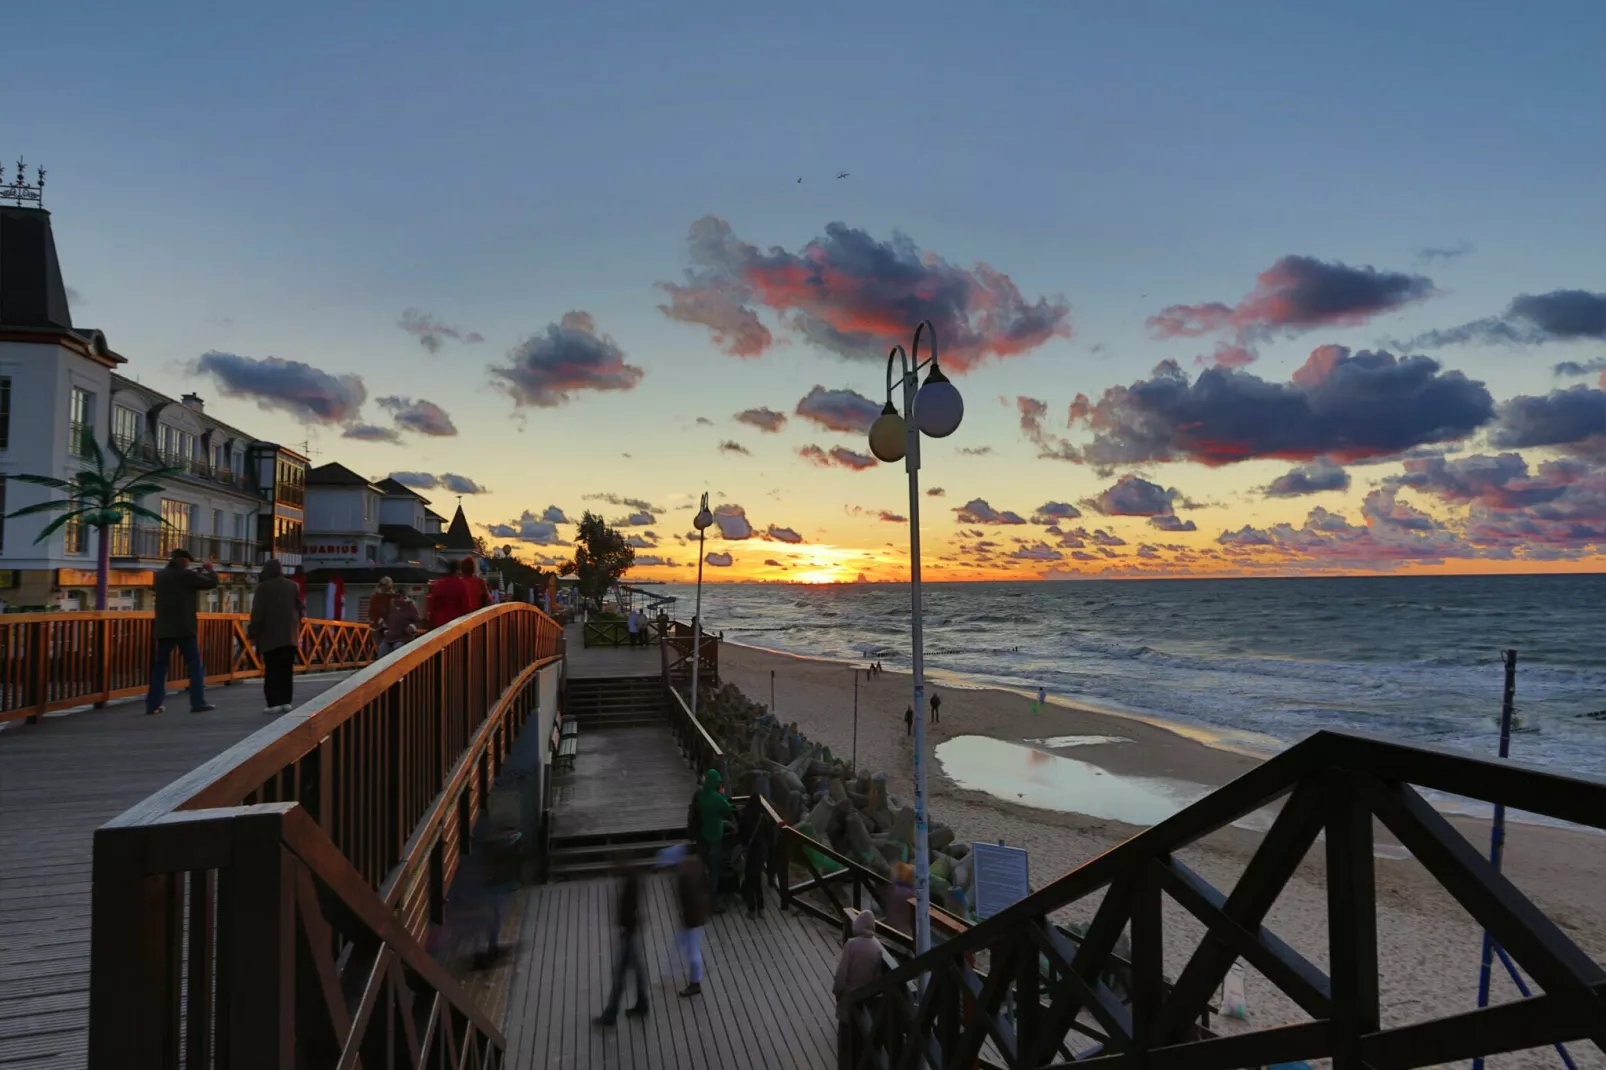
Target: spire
(458, 536)
(32, 293)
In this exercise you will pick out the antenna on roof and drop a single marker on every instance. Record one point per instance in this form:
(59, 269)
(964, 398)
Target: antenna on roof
(20, 190)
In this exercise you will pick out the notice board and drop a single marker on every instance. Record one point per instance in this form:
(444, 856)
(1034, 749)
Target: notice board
(1000, 875)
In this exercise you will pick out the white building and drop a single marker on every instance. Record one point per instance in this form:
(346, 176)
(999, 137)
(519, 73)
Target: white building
(359, 531)
(235, 501)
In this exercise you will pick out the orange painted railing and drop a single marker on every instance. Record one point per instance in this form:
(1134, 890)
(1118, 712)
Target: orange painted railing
(54, 661)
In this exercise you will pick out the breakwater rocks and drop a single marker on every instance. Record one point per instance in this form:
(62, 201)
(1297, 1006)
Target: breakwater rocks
(827, 799)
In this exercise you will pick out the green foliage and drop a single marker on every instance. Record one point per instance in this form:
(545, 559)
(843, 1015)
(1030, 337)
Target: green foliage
(96, 497)
(514, 571)
(600, 557)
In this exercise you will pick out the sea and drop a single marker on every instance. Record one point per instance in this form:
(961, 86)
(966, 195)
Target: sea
(1248, 664)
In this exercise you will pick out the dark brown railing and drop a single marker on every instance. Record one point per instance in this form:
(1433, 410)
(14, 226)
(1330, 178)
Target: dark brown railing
(940, 1010)
(605, 632)
(154, 544)
(677, 644)
(268, 909)
(55, 661)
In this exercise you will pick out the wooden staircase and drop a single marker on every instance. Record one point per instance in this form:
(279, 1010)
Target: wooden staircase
(619, 702)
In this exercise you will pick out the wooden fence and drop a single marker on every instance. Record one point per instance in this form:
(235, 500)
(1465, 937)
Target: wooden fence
(55, 661)
(1043, 1002)
(269, 908)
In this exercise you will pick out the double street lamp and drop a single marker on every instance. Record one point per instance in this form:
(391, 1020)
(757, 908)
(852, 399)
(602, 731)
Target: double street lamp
(701, 522)
(933, 408)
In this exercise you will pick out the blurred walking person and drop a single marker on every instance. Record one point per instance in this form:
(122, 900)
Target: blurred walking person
(175, 628)
(400, 625)
(714, 811)
(275, 628)
(691, 886)
(629, 958)
(860, 964)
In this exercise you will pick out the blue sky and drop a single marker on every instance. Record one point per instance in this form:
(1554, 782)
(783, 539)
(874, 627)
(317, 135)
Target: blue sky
(286, 181)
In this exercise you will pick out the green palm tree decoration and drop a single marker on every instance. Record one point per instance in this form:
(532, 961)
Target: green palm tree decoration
(98, 499)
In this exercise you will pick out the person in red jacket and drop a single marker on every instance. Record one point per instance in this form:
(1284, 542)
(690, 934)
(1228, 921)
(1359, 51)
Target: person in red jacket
(459, 592)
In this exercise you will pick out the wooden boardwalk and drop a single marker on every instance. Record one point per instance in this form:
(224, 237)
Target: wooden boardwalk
(625, 780)
(59, 781)
(586, 663)
(766, 999)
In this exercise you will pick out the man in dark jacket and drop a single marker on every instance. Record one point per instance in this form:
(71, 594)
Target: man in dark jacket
(275, 628)
(629, 959)
(175, 627)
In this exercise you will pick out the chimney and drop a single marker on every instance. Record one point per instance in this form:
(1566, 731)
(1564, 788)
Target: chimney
(32, 293)
(193, 401)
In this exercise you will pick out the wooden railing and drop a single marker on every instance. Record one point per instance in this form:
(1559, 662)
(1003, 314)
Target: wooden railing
(268, 909)
(55, 661)
(604, 632)
(677, 657)
(938, 1010)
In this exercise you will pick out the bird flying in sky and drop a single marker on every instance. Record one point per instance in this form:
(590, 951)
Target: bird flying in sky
(844, 174)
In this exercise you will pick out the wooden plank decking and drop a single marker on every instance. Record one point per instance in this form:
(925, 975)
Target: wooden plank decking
(59, 781)
(586, 663)
(624, 780)
(766, 999)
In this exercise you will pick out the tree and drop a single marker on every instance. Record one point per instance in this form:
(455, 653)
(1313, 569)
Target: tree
(600, 557)
(98, 499)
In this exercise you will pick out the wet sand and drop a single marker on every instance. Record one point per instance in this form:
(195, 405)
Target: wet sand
(1428, 948)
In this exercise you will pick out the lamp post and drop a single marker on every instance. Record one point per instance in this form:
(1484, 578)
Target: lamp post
(936, 409)
(702, 521)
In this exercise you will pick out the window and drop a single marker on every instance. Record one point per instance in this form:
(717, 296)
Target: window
(73, 534)
(178, 446)
(128, 427)
(367, 508)
(5, 411)
(242, 529)
(3, 508)
(82, 421)
(287, 535)
(175, 525)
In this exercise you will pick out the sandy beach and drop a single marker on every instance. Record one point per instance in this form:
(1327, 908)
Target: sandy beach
(1428, 947)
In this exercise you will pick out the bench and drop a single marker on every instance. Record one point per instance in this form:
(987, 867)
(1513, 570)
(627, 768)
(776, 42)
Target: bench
(571, 728)
(566, 752)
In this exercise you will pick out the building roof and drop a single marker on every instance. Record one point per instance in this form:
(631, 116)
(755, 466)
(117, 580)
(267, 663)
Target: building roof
(32, 293)
(335, 474)
(458, 536)
(434, 515)
(393, 488)
(123, 382)
(406, 536)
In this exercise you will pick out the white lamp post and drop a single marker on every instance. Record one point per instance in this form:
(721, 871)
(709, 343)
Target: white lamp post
(702, 521)
(936, 409)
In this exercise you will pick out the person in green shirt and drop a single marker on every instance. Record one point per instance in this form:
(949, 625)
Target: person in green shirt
(713, 811)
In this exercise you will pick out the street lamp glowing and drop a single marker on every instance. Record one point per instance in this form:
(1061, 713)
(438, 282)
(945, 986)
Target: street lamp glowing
(938, 406)
(887, 435)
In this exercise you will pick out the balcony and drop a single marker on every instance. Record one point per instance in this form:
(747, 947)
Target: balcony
(147, 543)
(194, 467)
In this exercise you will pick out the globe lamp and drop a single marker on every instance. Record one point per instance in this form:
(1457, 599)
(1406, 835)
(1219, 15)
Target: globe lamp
(938, 406)
(887, 435)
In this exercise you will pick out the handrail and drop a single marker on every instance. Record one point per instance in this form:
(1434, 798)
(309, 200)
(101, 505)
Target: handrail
(55, 661)
(376, 785)
(1335, 783)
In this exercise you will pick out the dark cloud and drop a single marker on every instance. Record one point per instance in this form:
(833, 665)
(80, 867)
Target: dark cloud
(654, 559)
(1444, 252)
(1560, 418)
(416, 480)
(1310, 478)
(431, 332)
(732, 447)
(553, 515)
(836, 457)
(974, 451)
(456, 484)
(838, 410)
(892, 518)
(854, 296)
(719, 560)
(1530, 319)
(1040, 551)
(1338, 404)
(423, 417)
(703, 421)
(309, 394)
(1032, 413)
(1135, 496)
(732, 521)
(1501, 482)
(977, 511)
(935, 492)
(1171, 522)
(645, 541)
(370, 433)
(1576, 368)
(1294, 295)
(1053, 512)
(529, 528)
(770, 561)
(764, 419)
(780, 534)
(548, 369)
(638, 504)
(635, 520)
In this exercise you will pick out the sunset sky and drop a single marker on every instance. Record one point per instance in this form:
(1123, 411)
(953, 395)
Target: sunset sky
(1241, 287)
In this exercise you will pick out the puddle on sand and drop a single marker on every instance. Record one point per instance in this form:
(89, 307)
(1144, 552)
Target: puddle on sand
(1064, 742)
(1033, 777)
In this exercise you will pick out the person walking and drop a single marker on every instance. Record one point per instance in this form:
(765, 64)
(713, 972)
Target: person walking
(713, 811)
(275, 628)
(691, 887)
(401, 624)
(859, 965)
(755, 834)
(629, 958)
(936, 708)
(175, 628)
(909, 721)
(379, 606)
(633, 626)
